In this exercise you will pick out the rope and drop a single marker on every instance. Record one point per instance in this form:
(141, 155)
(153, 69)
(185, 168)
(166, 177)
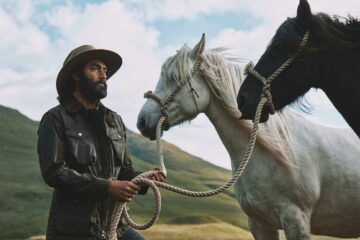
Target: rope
(143, 179)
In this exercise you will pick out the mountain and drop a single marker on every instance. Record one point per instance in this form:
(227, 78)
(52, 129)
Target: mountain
(25, 199)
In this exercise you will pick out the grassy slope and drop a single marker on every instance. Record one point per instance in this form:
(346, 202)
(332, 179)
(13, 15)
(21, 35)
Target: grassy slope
(210, 231)
(207, 231)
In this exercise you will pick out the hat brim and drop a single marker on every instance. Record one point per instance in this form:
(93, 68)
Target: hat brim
(112, 60)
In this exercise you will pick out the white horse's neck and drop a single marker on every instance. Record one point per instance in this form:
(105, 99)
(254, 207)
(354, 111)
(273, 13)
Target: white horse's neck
(233, 135)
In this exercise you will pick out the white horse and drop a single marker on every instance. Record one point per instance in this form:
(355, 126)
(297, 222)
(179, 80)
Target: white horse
(303, 178)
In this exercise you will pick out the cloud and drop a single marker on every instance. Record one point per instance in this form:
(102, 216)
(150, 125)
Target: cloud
(180, 9)
(19, 37)
(246, 44)
(200, 138)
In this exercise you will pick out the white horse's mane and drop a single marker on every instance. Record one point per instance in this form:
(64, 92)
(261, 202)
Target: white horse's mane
(224, 78)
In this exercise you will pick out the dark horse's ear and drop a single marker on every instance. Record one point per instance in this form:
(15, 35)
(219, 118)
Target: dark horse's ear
(199, 48)
(304, 12)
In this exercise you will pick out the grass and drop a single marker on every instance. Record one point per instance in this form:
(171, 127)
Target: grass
(205, 231)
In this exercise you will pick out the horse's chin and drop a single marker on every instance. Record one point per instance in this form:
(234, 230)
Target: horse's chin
(265, 114)
(152, 136)
(264, 117)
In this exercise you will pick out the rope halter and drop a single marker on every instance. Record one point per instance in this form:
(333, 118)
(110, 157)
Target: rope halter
(265, 92)
(164, 104)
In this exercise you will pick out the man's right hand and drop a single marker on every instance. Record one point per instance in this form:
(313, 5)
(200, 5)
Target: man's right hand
(123, 191)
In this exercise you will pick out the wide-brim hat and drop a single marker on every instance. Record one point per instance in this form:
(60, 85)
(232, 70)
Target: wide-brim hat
(80, 56)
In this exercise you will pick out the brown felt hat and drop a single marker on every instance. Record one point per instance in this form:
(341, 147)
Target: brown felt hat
(80, 56)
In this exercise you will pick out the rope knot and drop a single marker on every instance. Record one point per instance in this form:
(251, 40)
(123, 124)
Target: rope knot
(266, 87)
(147, 94)
(247, 68)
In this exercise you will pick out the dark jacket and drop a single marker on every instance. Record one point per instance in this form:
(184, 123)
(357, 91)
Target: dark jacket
(80, 151)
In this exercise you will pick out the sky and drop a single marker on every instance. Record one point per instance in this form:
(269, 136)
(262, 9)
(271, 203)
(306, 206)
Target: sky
(37, 35)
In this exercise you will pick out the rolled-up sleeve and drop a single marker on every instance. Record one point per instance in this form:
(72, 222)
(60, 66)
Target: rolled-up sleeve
(54, 169)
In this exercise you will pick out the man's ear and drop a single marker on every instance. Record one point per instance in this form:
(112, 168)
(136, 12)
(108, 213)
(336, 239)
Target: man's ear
(75, 76)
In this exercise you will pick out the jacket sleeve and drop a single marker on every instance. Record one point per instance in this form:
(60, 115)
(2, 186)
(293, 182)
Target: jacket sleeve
(127, 171)
(54, 169)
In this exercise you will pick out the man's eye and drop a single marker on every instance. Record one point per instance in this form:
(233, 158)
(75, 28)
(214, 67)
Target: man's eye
(94, 68)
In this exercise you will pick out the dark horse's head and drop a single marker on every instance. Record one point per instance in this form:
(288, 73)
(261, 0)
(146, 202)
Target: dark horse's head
(326, 36)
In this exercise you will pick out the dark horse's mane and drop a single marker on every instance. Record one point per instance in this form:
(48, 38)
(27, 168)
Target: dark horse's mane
(334, 33)
(327, 34)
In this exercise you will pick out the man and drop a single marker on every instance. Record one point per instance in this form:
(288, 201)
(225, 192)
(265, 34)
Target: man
(83, 151)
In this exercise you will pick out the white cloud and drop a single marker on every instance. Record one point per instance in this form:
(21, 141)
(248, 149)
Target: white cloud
(62, 17)
(10, 77)
(248, 45)
(31, 92)
(200, 138)
(179, 9)
(23, 44)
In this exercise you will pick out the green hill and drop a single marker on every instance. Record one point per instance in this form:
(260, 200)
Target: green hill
(25, 199)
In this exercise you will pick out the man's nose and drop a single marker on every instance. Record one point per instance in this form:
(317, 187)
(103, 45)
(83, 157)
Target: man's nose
(103, 74)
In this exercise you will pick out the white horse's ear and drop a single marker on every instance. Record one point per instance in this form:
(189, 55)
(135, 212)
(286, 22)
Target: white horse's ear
(199, 48)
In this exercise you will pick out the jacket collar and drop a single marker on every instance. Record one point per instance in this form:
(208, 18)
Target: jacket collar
(72, 105)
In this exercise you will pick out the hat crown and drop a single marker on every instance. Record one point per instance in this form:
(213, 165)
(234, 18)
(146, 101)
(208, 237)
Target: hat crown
(77, 51)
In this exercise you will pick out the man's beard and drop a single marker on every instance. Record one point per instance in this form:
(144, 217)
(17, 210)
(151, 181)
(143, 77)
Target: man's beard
(92, 91)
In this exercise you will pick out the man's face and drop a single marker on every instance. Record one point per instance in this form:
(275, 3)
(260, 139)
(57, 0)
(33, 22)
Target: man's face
(92, 80)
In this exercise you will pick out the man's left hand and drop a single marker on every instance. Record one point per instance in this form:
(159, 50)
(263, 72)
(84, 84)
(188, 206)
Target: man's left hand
(158, 175)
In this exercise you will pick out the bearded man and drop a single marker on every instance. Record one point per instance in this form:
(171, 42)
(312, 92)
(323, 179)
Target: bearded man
(83, 151)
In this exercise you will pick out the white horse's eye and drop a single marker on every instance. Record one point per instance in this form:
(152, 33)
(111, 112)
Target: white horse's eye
(172, 77)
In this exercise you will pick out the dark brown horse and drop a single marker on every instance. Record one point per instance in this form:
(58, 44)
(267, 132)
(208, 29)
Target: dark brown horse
(330, 60)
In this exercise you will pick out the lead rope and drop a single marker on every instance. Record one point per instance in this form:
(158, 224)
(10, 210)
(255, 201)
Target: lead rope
(143, 179)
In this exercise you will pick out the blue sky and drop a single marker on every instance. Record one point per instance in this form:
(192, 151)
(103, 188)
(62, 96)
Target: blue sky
(37, 35)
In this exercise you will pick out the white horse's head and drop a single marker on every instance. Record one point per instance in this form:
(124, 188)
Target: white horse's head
(179, 73)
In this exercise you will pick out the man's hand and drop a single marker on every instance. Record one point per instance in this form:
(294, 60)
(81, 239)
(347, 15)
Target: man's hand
(123, 191)
(159, 175)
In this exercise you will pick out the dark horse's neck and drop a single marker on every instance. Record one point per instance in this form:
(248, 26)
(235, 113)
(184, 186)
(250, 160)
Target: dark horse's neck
(341, 83)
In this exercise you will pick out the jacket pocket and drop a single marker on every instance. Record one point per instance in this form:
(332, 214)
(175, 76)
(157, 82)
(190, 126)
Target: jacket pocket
(75, 218)
(81, 148)
(118, 142)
